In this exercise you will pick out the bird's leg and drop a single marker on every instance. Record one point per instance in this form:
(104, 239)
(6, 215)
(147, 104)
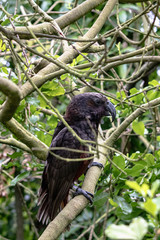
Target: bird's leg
(80, 191)
(97, 164)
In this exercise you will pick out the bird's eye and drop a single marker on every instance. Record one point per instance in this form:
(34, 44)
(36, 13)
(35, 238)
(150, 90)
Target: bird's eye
(98, 101)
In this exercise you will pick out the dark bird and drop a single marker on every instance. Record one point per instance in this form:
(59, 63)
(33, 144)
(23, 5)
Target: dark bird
(83, 115)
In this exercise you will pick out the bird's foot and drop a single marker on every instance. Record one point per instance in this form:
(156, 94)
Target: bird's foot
(97, 164)
(80, 191)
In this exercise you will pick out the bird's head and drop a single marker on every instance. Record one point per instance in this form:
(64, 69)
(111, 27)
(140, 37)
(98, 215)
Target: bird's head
(90, 105)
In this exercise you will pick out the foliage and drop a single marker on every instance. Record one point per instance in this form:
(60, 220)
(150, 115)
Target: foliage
(121, 60)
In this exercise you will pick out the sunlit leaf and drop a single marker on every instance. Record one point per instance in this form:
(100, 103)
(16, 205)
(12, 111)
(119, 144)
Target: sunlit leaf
(134, 185)
(118, 45)
(150, 207)
(138, 127)
(135, 231)
(2, 47)
(154, 83)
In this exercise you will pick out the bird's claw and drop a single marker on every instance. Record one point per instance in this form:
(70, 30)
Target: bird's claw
(80, 191)
(97, 164)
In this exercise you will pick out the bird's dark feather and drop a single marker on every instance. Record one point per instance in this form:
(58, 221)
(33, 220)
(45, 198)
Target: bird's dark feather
(83, 115)
(59, 175)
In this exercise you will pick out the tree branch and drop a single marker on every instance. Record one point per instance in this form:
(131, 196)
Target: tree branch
(95, 29)
(13, 142)
(38, 148)
(63, 21)
(14, 96)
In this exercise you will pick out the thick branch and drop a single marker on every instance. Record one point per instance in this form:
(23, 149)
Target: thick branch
(155, 59)
(63, 21)
(95, 29)
(13, 142)
(14, 96)
(38, 148)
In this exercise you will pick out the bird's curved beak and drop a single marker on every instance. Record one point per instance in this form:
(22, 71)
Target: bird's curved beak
(111, 111)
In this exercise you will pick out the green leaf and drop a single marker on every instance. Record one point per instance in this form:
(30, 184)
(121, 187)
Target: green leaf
(13, 163)
(149, 159)
(34, 119)
(64, 76)
(44, 137)
(155, 186)
(152, 94)
(135, 170)
(122, 16)
(157, 202)
(128, 49)
(15, 155)
(134, 185)
(19, 177)
(120, 232)
(2, 47)
(126, 207)
(138, 127)
(138, 98)
(140, 226)
(52, 89)
(121, 94)
(143, 189)
(150, 207)
(158, 138)
(79, 58)
(120, 162)
(52, 121)
(125, 112)
(154, 83)
(122, 69)
(42, 102)
(21, 106)
(5, 22)
(4, 69)
(118, 45)
(114, 204)
(32, 101)
(135, 231)
(100, 199)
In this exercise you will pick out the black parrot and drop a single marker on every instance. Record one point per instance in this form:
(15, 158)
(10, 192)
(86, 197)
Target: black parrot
(83, 115)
